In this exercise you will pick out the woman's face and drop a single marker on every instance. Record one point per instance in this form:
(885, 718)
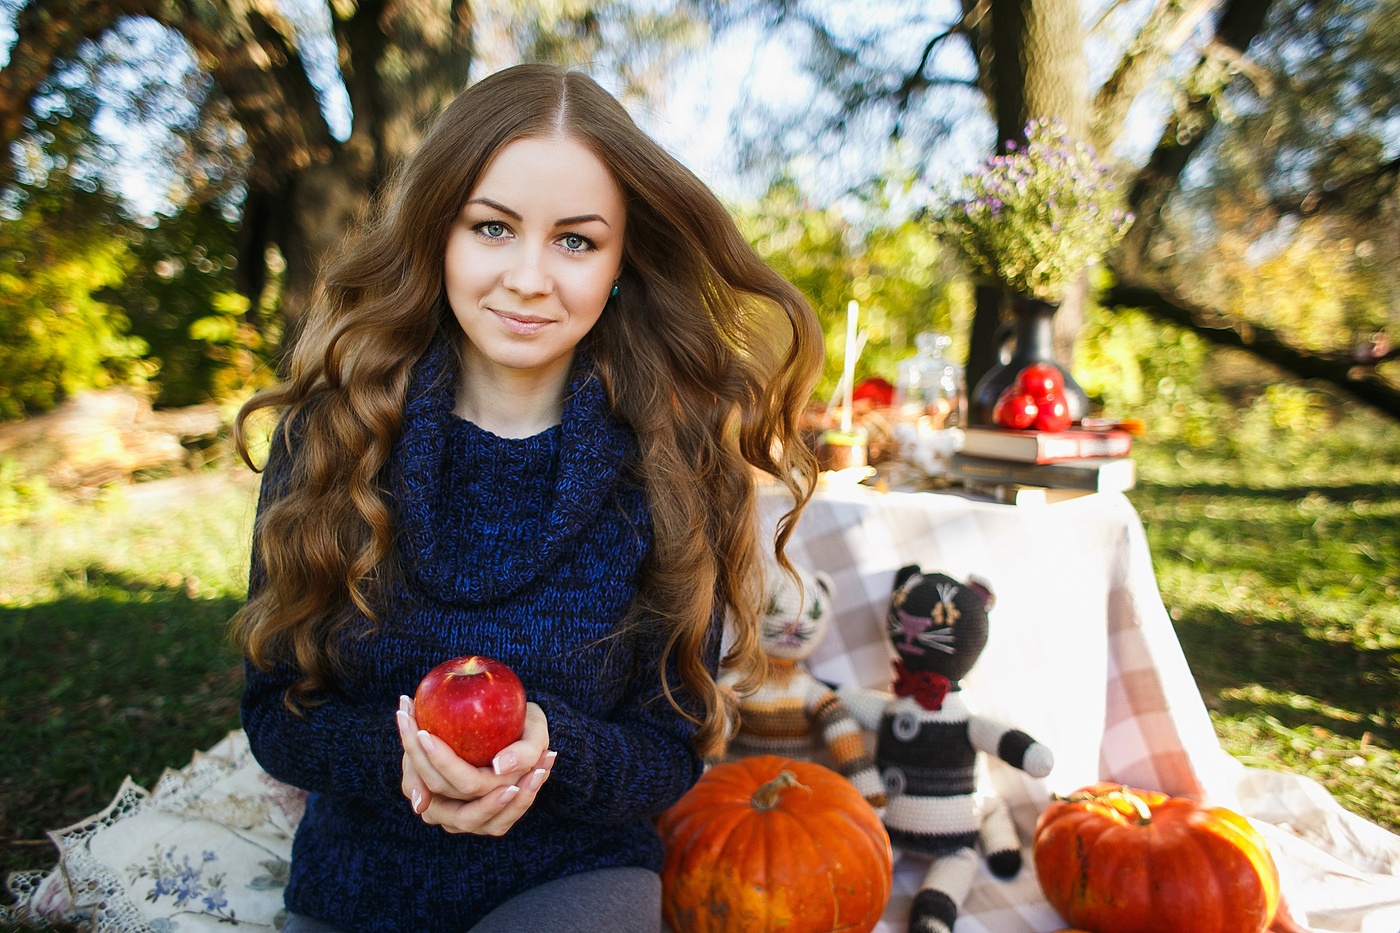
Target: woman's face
(532, 257)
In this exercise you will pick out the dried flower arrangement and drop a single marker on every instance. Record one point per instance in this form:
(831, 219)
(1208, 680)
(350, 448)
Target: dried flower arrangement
(1034, 218)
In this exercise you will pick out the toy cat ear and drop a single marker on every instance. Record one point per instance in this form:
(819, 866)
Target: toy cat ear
(902, 575)
(824, 582)
(983, 588)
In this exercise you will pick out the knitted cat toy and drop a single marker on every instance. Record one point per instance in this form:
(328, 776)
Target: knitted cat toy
(792, 713)
(927, 744)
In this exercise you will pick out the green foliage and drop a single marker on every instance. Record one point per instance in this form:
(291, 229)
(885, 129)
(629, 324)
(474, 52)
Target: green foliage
(90, 298)
(1290, 219)
(24, 496)
(1035, 218)
(58, 259)
(181, 296)
(1136, 367)
(90, 295)
(1219, 414)
(898, 273)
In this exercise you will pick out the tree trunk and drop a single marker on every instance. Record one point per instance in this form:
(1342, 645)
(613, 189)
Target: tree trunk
(1037, 69)
(400, 59)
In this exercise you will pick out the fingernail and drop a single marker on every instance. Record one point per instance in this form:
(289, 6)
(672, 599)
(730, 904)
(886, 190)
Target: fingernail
(426, 741)
(402, 718)
(509, 793)
(417, 800)
(537, 778)
(403, 704)
(549, 757)
(503, 762)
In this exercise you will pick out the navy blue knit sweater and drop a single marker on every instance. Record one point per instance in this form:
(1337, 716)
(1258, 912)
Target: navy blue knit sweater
(525, 550)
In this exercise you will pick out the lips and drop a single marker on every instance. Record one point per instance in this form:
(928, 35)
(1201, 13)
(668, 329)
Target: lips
(521, 323)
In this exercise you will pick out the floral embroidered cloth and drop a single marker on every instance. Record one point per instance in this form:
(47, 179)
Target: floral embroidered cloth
(206, 849)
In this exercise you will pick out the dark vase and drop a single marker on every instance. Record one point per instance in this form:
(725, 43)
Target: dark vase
(1033, 331)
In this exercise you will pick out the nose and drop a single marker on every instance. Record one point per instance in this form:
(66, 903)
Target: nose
(525, 275)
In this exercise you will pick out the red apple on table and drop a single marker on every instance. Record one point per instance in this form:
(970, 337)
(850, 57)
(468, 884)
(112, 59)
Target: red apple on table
(475, 704)
(1041, 381)
(1015, 409)
(1052, 414)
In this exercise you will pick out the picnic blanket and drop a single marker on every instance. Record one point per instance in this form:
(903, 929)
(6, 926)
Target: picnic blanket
(1082, 655)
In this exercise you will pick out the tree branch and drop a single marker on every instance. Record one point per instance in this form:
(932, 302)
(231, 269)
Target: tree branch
(1167, 26)
(1364, 190)
(1361, 382)
(1112, 8)
(47, 31)
(915, 80)
(1240, 22)
(251, 54)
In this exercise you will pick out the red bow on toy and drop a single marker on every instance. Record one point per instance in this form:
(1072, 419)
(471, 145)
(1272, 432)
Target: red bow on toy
(926, 687)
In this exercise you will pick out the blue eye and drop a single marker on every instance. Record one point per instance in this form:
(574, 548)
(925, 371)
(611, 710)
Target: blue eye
(575, 243)
(492, 229)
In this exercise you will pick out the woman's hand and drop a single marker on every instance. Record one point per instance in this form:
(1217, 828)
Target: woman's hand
(448, 792)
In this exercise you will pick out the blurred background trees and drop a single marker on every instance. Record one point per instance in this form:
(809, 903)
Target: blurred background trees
(269, 128)
(1244, 130)
(176, 169)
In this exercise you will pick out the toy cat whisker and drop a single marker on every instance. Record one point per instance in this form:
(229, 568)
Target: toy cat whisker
(941, 639)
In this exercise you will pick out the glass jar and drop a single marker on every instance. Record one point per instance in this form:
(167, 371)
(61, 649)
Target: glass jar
(929, 390)
(930, 406)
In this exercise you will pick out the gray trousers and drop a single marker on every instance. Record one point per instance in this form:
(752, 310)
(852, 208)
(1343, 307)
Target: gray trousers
(609, 900)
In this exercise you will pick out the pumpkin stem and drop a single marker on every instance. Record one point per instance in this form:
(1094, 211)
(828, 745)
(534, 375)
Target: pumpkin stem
(1136, 803)
(767, 796)
(1123, 800)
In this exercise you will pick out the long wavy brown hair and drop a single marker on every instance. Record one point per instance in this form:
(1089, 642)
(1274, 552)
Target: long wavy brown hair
(705, 352)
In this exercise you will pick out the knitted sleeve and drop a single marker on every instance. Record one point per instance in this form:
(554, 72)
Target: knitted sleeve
(634, 764)
(337, 746)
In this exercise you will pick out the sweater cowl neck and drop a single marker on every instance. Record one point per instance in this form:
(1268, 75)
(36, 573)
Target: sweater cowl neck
(532, 496)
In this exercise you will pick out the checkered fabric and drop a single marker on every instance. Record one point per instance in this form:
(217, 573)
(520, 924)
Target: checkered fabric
(1081, 655)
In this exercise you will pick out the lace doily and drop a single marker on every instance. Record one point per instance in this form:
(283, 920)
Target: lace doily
(208, 848)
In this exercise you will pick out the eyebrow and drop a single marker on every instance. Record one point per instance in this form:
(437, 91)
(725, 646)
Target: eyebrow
(561, 222)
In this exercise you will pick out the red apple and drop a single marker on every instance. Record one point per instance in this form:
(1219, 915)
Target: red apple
(1015, 409)
(1052, 414)
(474, 704)
(1041, 380)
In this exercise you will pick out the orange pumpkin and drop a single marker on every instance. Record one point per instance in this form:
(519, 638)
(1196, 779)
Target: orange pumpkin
(1112, 859)
(769, 843)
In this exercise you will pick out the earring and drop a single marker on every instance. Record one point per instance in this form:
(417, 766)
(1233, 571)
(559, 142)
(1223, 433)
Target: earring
(614, 290)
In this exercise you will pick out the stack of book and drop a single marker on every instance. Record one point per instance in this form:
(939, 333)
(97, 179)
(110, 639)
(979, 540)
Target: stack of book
(1025, 467)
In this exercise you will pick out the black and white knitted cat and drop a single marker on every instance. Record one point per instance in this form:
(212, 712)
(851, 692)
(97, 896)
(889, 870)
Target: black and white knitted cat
(927, 743)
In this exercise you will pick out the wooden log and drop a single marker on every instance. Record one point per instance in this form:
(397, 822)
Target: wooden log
(107, 436)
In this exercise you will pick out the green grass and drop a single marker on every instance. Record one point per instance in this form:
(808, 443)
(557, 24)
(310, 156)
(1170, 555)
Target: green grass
(113, 655)
(1280, 568)
(1281, 571)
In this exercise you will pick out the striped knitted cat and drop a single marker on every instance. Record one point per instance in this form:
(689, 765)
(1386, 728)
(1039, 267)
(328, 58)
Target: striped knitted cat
(927, 743)
(792, 713)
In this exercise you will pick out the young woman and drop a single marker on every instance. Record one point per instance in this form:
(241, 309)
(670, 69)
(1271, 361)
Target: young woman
(525, 421)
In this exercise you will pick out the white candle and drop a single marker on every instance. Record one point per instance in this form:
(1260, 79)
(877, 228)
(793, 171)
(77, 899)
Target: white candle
(848, 374)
